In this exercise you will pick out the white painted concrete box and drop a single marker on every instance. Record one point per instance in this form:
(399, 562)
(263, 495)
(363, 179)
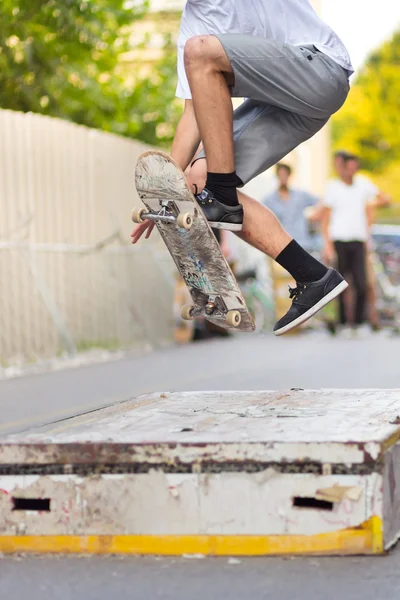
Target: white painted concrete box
(214, 473)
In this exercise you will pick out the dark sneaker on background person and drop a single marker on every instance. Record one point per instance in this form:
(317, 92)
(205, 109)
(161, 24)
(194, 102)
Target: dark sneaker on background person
(219, 215)
(309, 298)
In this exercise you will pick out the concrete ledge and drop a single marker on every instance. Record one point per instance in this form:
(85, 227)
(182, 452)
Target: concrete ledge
(233, 473)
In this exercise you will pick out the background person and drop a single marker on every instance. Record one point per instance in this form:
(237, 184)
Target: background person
(290, 205)
(380, 200)
(347, 215)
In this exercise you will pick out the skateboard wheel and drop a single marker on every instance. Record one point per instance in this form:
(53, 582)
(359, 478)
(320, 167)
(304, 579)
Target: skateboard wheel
(137, 215)
(187, 312)
(233, 318)
(184, 220)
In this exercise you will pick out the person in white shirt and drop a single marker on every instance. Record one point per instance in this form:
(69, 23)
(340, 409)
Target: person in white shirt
(293, 71)
(349, 203)
(380, 200)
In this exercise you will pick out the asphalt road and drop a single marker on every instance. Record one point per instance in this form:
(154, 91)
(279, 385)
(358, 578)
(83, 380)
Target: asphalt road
(244, 362)
(83, 578)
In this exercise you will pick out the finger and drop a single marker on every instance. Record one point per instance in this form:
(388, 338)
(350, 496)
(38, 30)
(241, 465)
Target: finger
(139, 230)
(137, 234)
(150, 228)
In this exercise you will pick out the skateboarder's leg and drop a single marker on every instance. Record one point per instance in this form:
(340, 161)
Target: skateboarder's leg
(210, 77)
(301, 81)
(258, 219)
(263, 135)
(262, 230)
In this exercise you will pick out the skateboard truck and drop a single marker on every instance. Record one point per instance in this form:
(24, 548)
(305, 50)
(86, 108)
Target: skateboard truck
(210, 308)
(209, 305)
(167, 214)
(233, 318)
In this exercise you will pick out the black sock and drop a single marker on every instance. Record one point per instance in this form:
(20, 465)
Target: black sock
(300, 264)
(223, 186)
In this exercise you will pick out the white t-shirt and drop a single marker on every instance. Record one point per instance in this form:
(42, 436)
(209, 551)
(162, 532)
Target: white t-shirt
(348, 203)
(290, 21)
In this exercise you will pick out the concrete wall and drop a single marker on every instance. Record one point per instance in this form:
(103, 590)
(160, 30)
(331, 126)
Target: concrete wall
(70, 279)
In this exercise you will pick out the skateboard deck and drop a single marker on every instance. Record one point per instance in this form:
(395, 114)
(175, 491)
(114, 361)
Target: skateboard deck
(215, 294)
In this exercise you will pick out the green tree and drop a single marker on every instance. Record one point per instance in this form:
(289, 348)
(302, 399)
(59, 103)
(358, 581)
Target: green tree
(369, 122)
(154, 110)
(63, 58)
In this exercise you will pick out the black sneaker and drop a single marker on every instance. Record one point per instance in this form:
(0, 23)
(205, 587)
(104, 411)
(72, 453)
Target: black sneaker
(220, 216)
(309, 298)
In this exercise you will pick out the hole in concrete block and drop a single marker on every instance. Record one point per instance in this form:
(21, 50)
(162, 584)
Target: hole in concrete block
(301, 502)
(37, 504)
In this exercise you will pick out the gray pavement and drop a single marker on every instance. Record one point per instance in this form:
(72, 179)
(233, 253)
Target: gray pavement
(97, 578)
(244, 362)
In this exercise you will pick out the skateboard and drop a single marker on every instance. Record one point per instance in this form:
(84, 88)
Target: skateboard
(168, 201)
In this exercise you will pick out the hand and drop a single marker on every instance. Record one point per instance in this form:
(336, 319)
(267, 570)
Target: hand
(329, 254)
(140, 229)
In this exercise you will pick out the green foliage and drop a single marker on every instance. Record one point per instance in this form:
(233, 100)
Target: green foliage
(63, 58)
(389, 180)
(154, 110)
(369, 122)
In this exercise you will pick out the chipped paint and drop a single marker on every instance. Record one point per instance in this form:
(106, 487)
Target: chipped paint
(155, 504)
(330, 427)
(338, 493)
(176, 464)
(372, 450)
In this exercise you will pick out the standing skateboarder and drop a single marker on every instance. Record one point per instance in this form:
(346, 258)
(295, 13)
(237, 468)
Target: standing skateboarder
(293, 71)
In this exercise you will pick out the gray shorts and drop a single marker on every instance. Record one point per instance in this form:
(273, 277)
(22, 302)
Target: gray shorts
(291, 92)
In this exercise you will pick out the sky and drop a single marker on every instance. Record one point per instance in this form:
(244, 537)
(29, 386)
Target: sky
(362, 24)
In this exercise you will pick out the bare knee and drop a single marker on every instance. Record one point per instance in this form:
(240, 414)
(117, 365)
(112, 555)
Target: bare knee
(207, 52)
(198, 48)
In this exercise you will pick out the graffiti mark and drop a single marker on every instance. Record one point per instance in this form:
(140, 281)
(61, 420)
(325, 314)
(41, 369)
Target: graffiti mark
(194, 280)
(197, 264)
